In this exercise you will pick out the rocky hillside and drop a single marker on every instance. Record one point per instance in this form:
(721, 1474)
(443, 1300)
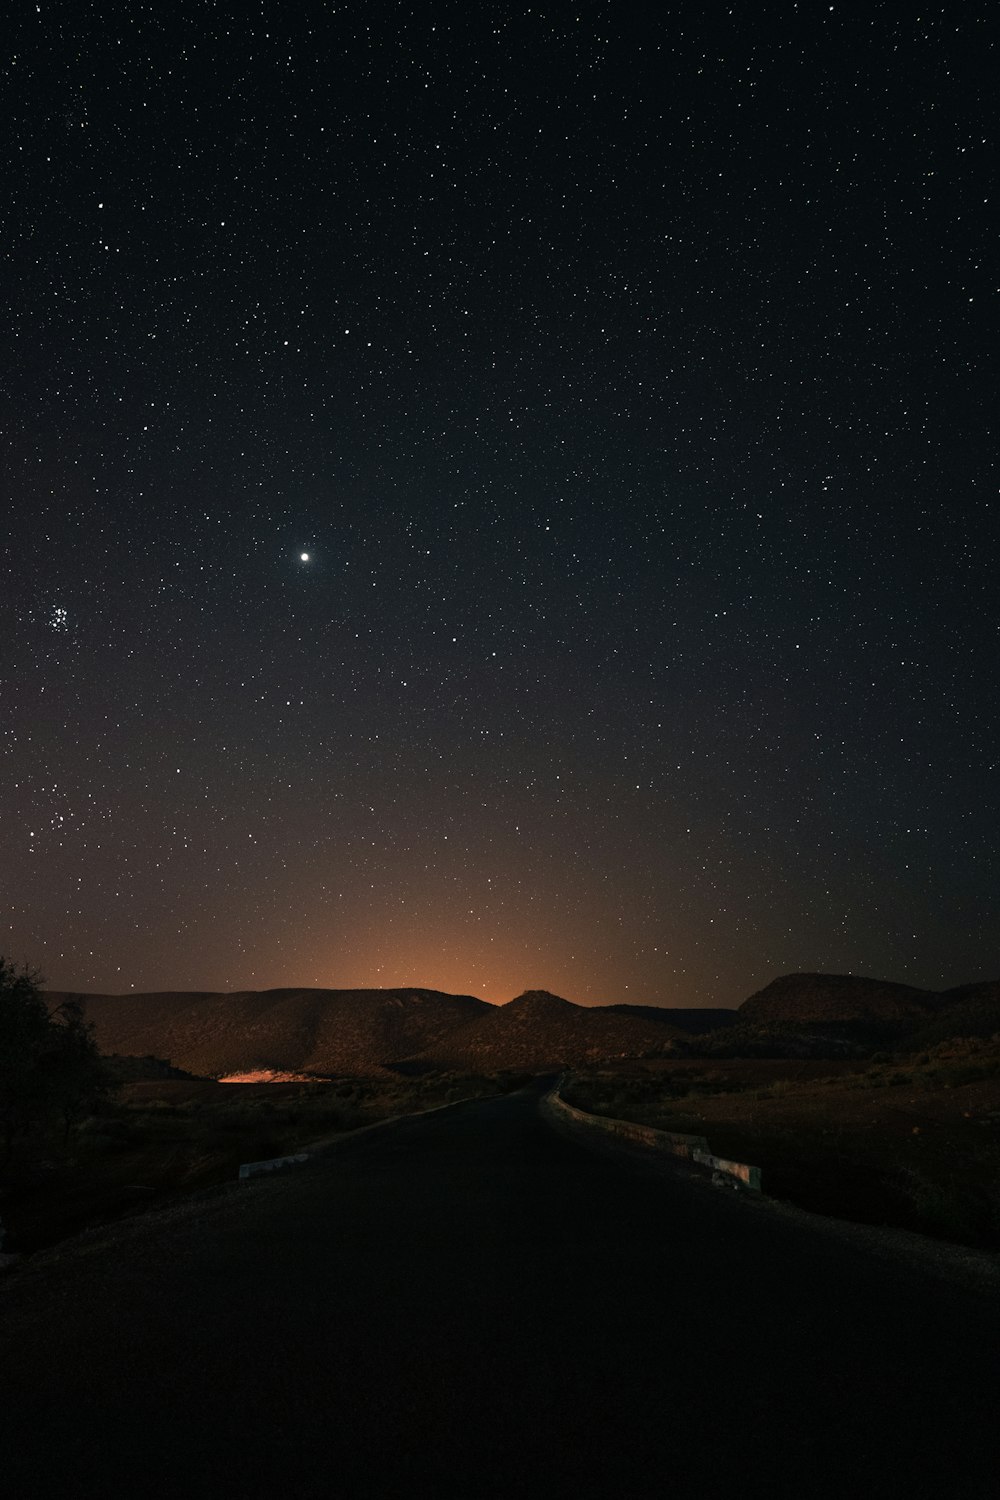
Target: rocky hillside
(837, 997)
(844, 1000)
(695, 1022)
(365, 1031)
(539, 1031)
(316, 1031)
(969, 1010)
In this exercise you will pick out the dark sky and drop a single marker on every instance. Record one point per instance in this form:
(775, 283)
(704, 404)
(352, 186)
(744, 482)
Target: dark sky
(623, 371)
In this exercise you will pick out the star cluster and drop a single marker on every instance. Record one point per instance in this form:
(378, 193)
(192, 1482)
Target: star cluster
(499, 497)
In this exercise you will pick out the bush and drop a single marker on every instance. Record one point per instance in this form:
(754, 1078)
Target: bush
(50, 1069)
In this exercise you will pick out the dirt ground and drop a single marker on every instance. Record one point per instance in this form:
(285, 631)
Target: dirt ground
(904, 1144)
(912, 1143)
(167, 1137)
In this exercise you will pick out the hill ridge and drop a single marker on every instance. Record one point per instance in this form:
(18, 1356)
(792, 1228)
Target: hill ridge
(817, 996)
(284, 1029)
(342, 1031)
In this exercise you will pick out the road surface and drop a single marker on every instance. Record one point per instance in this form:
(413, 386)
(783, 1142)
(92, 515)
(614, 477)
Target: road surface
(469, 1304)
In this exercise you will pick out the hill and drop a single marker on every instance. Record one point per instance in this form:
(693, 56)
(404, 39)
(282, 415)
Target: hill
(331, 1032)
(971, 1010)
(695, 1022)
(837, 997)
(366, 1031)
(287, 1030)
(538, 1031)
(831, 1014)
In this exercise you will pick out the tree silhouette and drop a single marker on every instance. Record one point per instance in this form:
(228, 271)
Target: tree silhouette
(76, 1076)
(50, 1068)
(24, 1037)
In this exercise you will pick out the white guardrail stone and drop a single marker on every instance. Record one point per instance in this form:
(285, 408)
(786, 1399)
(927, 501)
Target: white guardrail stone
(276, 1164)
(741, 1170)
(694, 1147)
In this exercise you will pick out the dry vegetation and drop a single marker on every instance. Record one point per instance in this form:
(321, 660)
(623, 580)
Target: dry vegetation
(169, 1136)
(912, 1142)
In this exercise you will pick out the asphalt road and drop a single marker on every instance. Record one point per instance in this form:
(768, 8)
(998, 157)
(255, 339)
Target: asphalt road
(469, 1304)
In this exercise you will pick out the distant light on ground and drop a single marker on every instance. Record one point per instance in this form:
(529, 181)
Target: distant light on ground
(273, 1075)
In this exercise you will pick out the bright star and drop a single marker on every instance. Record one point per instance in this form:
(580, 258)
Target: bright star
(303, 557)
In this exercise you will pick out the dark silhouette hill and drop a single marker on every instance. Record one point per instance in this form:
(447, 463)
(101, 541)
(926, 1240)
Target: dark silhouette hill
(696, 1022)
(307, 1030)
(867, 1007)
(837, 997)
(537, 1031)
(418, 1030)
(365, 1031)
(969, 1010)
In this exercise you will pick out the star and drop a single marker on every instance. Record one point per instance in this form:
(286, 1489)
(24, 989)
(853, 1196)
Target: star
(303, 557)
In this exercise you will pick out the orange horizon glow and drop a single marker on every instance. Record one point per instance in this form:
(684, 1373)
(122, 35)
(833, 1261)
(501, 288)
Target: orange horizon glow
(494, 966)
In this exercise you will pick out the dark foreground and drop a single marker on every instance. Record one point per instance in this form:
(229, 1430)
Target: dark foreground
(470, 1305)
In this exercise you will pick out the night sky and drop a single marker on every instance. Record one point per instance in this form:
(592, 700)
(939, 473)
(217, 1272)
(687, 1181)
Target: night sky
(498, 497)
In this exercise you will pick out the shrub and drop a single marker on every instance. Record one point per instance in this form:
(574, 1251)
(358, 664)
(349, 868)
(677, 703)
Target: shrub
(50, 1068)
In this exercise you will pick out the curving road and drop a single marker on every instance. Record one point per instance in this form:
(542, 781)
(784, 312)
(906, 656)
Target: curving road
(469, 1304)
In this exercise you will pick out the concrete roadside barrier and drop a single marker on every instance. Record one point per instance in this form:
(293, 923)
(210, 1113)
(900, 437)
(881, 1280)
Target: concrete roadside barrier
(693, 1147)
(276, 1164)
(628, 1130)
(739, 1171)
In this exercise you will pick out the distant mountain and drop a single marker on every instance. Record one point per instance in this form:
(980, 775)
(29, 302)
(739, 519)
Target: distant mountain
(845, 1000)
(365, 1031)
(837, 997)
(331, 1032)
(311, 1030)
(695, 1022)
(538, 1031)
(969, 1010)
